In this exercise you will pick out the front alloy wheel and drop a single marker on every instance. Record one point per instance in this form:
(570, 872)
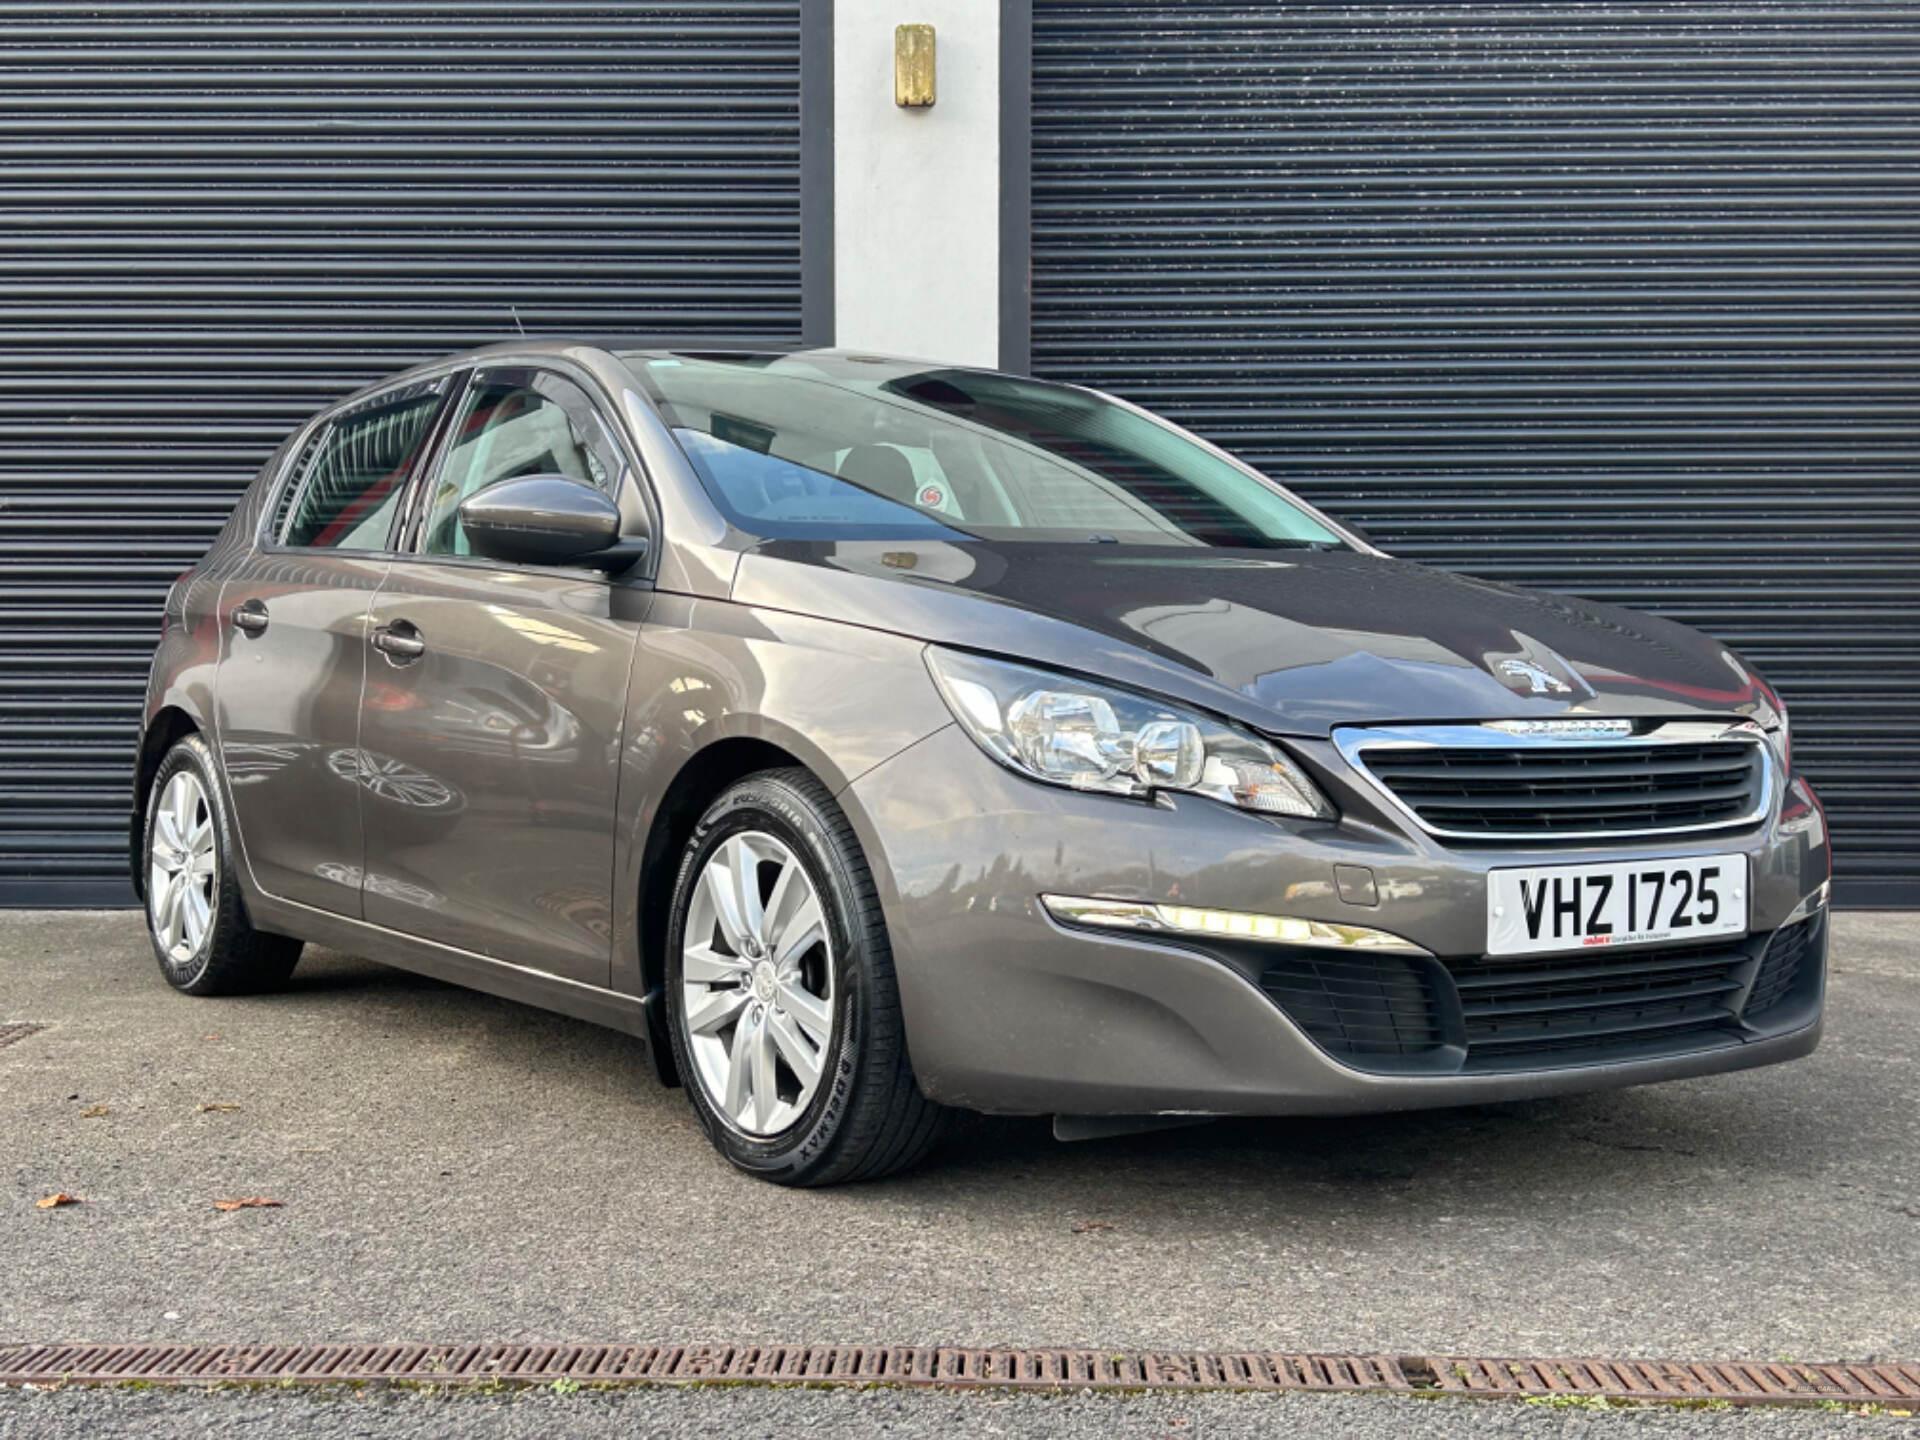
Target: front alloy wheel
(756, 978)
(781, 1001)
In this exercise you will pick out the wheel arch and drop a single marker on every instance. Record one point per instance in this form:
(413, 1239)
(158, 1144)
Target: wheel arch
(169, 725)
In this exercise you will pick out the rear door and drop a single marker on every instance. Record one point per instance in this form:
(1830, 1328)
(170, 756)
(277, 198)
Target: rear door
(294, 647)
(491, 734)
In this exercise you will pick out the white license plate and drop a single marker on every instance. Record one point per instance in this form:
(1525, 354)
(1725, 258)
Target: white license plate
(1626, 902)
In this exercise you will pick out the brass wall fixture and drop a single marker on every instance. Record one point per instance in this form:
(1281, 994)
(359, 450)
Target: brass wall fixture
(913, 65)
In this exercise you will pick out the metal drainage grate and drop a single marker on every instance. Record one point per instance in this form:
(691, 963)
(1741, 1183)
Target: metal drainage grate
(616, 1364)
(1740, 1382)
(18, 1030)
(1743, 1382)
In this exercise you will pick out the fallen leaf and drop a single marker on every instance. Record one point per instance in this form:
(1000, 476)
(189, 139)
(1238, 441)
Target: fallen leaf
(247, 1202)
(1086, 1226)
(94, 1112)
(55, 1201)
(220, 1106)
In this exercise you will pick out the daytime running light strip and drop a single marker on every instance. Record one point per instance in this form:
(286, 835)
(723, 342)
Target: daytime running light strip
(1227, 924)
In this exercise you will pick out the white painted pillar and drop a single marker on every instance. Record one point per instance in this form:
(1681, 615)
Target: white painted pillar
(916, 192)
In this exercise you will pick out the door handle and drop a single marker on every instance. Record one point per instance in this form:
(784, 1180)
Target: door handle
(399, 642)
(250, 616)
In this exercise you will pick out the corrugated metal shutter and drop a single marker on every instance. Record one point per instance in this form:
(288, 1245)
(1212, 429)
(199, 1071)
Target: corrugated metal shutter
(1617, 299)
(213, 220)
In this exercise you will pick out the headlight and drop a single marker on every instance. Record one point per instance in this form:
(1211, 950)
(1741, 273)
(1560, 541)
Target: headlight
(1068, 731)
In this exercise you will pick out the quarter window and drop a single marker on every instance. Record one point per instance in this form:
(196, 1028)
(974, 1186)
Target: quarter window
(515, 423)
(353, 476)
(288, 487)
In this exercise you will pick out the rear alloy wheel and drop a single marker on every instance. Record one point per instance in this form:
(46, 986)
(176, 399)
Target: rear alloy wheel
(785, 1016)
(201, 933)
(180, 878)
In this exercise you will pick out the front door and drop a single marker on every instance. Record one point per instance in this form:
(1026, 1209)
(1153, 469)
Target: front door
(294, 647)
(491, 729)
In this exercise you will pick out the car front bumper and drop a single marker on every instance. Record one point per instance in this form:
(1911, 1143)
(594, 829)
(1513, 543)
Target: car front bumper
(1008, 1010)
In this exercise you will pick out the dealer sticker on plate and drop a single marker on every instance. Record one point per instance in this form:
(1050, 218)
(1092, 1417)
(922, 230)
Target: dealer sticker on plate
(1626, 902)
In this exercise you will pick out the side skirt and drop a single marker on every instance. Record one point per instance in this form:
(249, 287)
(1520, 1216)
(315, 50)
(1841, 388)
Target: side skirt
(626, 1013)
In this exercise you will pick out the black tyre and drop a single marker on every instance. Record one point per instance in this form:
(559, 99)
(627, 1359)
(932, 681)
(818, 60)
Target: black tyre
(201, 934)
(781, 996)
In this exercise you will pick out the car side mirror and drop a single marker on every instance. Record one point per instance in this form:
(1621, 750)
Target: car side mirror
(547, 520)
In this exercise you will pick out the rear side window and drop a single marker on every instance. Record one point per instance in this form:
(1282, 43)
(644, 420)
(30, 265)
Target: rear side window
(350, 480)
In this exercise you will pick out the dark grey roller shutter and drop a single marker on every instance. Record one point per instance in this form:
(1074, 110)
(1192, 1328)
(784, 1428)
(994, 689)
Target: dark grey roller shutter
(1619, 299)
(213, 220)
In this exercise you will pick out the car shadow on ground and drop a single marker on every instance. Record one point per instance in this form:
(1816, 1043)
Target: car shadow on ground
(1585, 1152)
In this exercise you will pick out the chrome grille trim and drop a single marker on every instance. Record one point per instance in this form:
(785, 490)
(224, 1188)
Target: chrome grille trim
(1355, 742)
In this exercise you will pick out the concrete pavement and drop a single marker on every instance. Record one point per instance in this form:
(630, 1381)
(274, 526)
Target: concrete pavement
(763, 1414)
(455, 1167)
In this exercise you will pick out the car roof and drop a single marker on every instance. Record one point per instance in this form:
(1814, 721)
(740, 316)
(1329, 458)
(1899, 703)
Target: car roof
(840, 363)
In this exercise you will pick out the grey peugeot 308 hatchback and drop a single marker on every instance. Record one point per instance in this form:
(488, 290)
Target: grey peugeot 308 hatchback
(874, 739)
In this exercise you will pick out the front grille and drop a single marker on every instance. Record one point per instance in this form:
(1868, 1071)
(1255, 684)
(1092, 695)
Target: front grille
(1358, 1007)
(1547, 791)
(1569, 1008)
(1786, 952)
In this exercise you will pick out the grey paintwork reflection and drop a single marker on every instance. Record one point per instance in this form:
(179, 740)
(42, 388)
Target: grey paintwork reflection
(488, 806)
(1297, 644)
(517, 707)
(288, 697)
(388, 781)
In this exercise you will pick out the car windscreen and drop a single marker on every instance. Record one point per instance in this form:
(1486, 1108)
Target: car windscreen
(807, 447)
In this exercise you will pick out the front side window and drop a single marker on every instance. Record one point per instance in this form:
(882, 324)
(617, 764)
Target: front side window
(844, 448)
(514, 423)
(352, 476)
